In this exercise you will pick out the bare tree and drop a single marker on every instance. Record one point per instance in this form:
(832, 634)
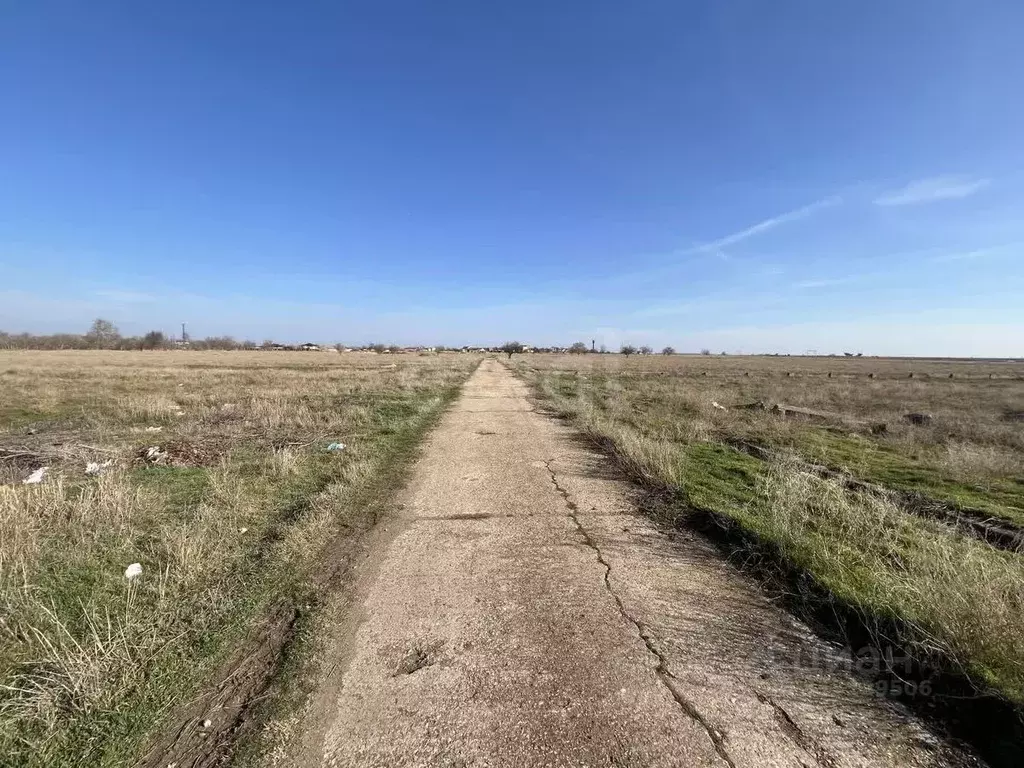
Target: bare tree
(579, 348)
(668, 351)
(511, 347)
(154, 340)
(627, 349)
(645, 350)
(102, 333)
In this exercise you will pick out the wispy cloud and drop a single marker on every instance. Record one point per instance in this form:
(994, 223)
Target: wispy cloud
(978, 253)
(771, 223)
(715, 246)
(125, 297)
(933, 189)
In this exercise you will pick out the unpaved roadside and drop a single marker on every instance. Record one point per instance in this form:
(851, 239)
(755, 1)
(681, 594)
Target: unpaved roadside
(523, 613)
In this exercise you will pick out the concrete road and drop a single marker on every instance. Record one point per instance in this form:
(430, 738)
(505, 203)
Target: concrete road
(524, 614)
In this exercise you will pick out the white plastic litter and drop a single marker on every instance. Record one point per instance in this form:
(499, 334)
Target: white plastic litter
(133, 571)
(37, 476)
(243, 530)
(96, 468)
(154, 429)
(154, 455)
(719, 407)
(336, 447)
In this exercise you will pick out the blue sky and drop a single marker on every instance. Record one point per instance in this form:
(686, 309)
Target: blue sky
(742, 176)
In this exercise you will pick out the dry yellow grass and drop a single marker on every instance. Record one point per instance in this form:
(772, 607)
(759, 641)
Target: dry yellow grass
(954, 596)
(228, 519)
(970, 454)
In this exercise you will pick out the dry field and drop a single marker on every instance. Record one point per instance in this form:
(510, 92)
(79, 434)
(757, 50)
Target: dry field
(958, 600)
(212, 472)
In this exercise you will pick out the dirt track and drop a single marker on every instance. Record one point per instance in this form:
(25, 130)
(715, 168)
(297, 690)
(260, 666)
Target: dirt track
(523, 614)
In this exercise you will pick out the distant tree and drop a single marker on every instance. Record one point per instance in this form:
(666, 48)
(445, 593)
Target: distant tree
(645, 350)
(102, 333)
(154, 340)
(603, 350)
(627, 349)
(214, 342)
(668, 351)
(248, 344)
(705, 351)
(723, 353)
(579, 348)
(511, 347)
(378, 348)
(267, 344)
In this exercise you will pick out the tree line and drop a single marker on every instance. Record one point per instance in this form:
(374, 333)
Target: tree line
(103, 334)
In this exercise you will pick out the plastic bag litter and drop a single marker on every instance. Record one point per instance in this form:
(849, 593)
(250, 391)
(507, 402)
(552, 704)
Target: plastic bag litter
(96, 468)
(719, 407)
(154, 455)
(36, 477)
(336, 447)
(133, 571)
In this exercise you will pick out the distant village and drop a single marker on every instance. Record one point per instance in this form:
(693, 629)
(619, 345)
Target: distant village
(385, 349)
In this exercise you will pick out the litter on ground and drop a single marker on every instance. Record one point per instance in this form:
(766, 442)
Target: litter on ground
(154, 455)
(154, 429)
(96, 468)
(336, 447)
(719, 407)
(36, 477)
(133, 571)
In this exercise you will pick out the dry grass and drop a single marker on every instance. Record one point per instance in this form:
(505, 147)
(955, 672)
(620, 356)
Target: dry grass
(962, 599)
(230, 518)
(970, 454)
(957, 598)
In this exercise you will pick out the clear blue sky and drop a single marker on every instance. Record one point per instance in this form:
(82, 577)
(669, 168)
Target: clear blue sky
(746, 176)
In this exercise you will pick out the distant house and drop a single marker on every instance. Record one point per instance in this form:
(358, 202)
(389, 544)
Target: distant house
(310, 347)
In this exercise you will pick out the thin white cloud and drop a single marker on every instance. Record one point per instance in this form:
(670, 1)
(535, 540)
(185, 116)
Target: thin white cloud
(978, 253)
(715, 246)
(933, 189)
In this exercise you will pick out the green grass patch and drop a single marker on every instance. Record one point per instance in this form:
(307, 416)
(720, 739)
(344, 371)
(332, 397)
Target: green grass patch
(892, 466)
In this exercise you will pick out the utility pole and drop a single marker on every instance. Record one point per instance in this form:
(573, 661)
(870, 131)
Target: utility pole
(184, 336)
(592, 347)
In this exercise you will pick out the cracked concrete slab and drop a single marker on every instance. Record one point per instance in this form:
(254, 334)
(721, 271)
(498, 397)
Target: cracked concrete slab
(524, 614)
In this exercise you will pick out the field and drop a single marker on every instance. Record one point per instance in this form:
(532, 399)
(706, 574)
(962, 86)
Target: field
(224, 475)
(912, 526)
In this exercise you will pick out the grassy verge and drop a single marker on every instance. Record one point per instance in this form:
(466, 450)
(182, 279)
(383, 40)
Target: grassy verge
(227, 523)
(953, 600)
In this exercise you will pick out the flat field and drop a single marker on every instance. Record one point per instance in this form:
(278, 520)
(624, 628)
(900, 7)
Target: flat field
(214, 472)
(838, 491)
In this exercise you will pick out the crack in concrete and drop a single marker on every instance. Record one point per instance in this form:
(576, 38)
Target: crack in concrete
(795, 732)
(661, 670)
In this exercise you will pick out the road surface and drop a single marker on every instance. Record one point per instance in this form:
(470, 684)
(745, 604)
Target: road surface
(523, 613)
